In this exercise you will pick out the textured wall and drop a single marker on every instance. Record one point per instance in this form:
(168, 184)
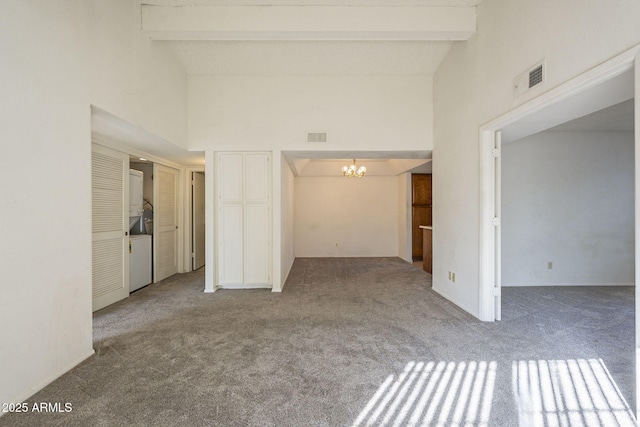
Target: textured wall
(567, 197)
(58, 58)
(474, 85)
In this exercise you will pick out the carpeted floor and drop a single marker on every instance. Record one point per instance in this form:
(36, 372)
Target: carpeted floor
(358, 341)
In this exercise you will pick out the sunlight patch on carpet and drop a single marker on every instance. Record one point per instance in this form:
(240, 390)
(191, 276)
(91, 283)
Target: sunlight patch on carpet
(574, 392)
(432, 394)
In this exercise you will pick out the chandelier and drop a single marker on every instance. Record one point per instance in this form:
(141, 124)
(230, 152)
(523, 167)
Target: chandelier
(353, 170)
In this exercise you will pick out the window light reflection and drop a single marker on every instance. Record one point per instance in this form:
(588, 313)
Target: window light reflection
(443, 393)
(574, 392)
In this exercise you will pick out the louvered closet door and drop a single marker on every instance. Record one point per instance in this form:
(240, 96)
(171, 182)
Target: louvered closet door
(109, 184)
(165, 221)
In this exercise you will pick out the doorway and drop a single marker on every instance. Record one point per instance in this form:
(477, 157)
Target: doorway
(610, 83)
(197, 220)
(420, 212)
(601, 87)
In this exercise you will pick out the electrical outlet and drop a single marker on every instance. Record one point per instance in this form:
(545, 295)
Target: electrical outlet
(453, 277)
(449, 275)
(549, 265)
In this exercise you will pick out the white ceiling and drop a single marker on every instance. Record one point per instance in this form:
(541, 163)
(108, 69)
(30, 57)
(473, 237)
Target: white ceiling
(328, 52)
(378, 163)
(433, 3)
(287, 55)
(310, 58)
(617, 118)
(583, 110)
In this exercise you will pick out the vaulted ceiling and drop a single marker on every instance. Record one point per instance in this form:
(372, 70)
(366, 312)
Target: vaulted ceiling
(317, 37)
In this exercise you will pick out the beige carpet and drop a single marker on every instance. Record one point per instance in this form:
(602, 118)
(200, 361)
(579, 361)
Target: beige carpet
(350, 342)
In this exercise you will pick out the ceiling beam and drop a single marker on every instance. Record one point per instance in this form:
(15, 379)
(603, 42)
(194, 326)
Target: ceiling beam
(308, 23)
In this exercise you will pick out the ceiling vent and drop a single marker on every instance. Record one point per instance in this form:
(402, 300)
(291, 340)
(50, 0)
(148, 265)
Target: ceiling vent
(530, 79)
(316, 137)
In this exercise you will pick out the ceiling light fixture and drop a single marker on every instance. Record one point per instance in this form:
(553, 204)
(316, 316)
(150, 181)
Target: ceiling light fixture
(353, 170)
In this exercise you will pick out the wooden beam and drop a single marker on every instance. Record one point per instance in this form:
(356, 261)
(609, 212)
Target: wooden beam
(308, 23)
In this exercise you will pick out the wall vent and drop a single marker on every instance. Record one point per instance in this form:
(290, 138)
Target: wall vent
(531, 78)
(316, 137)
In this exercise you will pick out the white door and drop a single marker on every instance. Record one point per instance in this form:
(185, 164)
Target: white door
(243, 187)
(257, 268)
(110, 225)
(230, 186)
(198, 220)
(165, 222)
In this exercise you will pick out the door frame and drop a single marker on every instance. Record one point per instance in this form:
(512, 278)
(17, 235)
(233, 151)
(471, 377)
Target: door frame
(489, 261)
(188, 215)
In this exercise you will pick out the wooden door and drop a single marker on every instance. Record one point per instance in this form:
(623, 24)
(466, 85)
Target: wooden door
(420, 211)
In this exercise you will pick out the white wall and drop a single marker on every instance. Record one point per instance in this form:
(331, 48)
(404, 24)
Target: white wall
(474, 85)
(58, 58)
(359, 215)
(288, 221)
(568, 198)
(358, 113)
(275, 113)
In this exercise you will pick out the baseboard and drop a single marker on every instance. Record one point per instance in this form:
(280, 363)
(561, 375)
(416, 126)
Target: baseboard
(33, 390)
(522, 285)
(246, 286)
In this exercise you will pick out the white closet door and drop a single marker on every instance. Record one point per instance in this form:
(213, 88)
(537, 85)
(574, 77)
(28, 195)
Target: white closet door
(110, 226)
(257, 265)
(231, 248)
(257, 173)
(230, 178)
(198, 220)
(165, 222)
(257, 180)
(244, 219)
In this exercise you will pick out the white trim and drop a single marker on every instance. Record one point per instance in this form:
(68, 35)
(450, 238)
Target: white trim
(277, 279)
(245, 286)
(188, 215)
(637, 223)
(599, 74)
(547, 285)
(210, 206)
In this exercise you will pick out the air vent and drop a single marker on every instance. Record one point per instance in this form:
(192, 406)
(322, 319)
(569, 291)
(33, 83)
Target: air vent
(529, 79)
(535, 76)
(316, 137)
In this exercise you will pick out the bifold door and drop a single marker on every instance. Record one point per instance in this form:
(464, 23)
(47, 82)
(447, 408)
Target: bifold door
(110, 226)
